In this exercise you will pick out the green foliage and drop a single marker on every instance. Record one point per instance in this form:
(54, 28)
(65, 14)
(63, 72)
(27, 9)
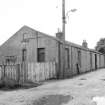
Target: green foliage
(101, 45)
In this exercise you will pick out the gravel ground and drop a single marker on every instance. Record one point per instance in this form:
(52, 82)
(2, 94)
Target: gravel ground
(76, 91)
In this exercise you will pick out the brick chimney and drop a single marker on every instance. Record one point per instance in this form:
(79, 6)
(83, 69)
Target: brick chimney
(85, 44)
(59, 35)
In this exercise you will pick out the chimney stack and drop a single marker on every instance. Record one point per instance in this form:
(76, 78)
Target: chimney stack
(59, 35)
(85, 44)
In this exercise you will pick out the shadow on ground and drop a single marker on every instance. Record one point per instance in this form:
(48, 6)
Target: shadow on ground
(12, 87)
(53, 100)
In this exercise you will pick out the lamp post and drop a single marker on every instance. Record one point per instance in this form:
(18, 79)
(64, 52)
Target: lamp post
(63, 31)
(64, 16)
(63, 19)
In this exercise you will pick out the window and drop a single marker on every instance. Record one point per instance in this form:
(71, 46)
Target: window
(24, 55)
(41, 54)
(10, 59)
(66, 57)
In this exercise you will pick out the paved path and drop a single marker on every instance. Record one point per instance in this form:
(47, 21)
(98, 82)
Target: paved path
(79, 91)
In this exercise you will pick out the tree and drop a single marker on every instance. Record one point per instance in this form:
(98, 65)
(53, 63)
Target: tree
(101, 45)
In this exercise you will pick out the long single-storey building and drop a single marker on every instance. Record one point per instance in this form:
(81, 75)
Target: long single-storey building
(29, 45)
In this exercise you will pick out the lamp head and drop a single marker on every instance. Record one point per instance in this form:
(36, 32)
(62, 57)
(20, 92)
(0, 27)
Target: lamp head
(73, 10)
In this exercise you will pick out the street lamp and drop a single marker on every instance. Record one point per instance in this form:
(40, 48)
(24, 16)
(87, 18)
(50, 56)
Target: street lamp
(64, 16)
(72, 10)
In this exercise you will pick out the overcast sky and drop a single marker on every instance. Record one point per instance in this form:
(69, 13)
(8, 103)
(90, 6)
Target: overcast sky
(87, 23)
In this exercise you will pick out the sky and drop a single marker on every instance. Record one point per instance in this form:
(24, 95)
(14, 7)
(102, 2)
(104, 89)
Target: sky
(87, 23)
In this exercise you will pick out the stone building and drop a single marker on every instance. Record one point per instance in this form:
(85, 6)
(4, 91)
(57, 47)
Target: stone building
(29, 45)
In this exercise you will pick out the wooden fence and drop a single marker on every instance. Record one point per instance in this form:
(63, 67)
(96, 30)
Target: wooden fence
(41, 71)
(28, 72)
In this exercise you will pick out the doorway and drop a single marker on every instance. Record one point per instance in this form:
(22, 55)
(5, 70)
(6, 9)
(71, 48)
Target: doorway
(78, 65)
(95, 61)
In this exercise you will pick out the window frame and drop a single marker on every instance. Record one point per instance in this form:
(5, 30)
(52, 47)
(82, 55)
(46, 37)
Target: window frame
(41, 55)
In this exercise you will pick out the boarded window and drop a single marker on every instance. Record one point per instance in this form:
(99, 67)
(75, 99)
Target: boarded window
(24, 55)
(41, 54)
(66, 57)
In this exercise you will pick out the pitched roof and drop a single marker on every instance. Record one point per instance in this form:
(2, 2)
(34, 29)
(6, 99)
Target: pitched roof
(55, 38)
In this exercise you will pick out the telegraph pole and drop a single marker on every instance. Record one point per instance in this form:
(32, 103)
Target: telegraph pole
(63, 19)
(64, 14)
(63, 32)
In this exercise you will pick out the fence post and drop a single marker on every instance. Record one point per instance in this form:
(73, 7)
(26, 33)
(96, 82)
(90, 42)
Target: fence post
(18, 72)
(21, 74)
(24, 71)
(2, 71)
